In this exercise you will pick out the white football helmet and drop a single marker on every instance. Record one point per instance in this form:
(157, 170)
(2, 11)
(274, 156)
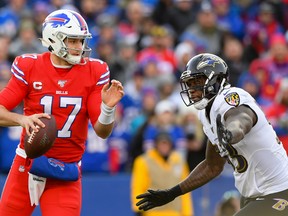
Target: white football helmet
(62, 24)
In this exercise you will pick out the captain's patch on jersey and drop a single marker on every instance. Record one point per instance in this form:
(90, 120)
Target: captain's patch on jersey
(232, 99)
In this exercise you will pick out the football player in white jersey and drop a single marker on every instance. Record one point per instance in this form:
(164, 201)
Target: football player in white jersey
(238, 133)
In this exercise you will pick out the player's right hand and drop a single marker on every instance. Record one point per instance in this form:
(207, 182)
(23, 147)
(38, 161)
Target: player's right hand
(31, 121)
(153, 198)
(224, 136)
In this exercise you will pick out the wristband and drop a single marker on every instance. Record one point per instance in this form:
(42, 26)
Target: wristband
(107, 114)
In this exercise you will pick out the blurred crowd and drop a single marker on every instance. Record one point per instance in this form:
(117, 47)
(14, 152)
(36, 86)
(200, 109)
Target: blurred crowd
(147, 44)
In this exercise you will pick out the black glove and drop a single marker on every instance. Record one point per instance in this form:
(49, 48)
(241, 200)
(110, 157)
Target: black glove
(224, 136)
(156, 198)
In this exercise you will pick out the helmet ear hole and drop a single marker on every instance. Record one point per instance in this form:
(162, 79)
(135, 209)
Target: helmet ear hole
(210, 89)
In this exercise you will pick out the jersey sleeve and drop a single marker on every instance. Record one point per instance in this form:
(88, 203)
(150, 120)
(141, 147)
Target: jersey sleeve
(17, 87)
(102, 73)
(234, 97)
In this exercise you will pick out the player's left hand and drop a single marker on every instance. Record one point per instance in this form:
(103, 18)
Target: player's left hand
(224, 136)
(154, 198)
(112, 94)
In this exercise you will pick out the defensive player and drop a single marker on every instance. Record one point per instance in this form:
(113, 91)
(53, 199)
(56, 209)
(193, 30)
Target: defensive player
(239, 133)
(74, 88)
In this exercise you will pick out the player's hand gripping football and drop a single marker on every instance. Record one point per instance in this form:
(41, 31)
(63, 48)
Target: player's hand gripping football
(31, 121)
(112, 94)
(224, 136)
(154, 198)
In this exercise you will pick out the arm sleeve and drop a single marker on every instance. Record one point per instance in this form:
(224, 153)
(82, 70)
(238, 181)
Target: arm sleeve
(12, 94)
(94, 103)
(17, 87)
(102, 74)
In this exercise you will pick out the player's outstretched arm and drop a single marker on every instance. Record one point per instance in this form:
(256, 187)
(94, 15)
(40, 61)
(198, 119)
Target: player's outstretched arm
(208, 169)
(239, 121)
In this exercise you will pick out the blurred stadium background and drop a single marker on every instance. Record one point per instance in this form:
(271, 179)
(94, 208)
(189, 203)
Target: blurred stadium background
(250, 35)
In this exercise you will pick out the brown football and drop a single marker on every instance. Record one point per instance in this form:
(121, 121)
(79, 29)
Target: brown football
(38, 143)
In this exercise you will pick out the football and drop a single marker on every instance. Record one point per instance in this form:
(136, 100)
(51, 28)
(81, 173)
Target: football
(38, 143)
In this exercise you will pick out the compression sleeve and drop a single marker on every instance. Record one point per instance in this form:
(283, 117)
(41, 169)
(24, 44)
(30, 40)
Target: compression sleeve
(13, 93)
(102, 73)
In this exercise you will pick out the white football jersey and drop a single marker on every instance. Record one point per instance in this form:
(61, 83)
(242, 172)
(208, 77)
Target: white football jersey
(259, 160)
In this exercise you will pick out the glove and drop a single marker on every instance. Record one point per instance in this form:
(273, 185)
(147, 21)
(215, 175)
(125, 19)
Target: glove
(224, 136)
(156, 198)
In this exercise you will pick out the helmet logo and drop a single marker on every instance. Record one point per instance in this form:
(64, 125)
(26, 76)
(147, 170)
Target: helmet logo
(209, 61)
(81, 21)
(57, 20)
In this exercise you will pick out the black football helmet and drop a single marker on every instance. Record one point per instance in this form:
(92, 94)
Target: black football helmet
(213, 69)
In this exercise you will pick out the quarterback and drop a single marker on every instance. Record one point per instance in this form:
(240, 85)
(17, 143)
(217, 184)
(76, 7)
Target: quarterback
(238, 133)
(76, 89)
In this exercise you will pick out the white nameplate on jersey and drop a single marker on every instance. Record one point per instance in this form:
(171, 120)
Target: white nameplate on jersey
(62, 92)
(232, 99)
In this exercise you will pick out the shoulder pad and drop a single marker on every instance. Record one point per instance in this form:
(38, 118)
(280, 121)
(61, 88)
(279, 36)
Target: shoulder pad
(102, 70)
(22, 65)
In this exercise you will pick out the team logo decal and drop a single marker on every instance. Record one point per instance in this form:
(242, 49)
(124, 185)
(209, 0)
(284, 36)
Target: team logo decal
(280, 205)
(62, 83)
(210, 61)
(57, 20)
(56, 163)
(233, 99)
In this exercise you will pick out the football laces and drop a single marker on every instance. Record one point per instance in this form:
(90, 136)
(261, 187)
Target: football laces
(31, 137)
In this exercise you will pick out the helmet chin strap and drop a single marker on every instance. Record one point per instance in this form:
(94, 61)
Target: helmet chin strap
(73, 59)
(199, 105)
